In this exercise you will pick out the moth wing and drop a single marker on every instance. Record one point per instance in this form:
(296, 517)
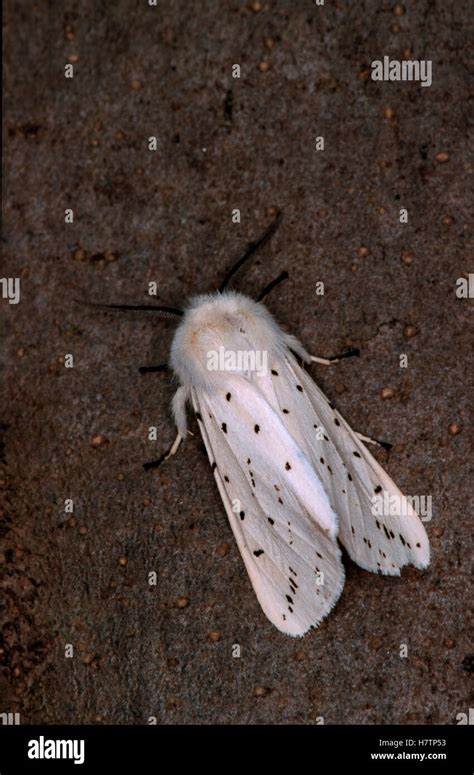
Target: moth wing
(277, 509)
(354, 481)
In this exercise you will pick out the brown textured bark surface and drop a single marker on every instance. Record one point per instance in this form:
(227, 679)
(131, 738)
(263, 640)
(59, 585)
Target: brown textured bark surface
(165, 216)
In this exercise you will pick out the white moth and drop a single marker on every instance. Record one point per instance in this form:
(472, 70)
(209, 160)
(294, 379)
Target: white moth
(294, 478)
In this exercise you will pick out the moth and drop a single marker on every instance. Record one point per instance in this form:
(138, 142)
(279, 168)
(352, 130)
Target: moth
(294, 478)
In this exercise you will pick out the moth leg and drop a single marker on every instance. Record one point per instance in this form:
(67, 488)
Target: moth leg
(171, 451)
(324, 361)
(175, 445)
(297, 348)
(153, 369)
(178, 406)
(328, 361)
(179, 412)
(377, 442)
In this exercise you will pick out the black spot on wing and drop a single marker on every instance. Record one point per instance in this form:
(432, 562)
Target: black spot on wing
(224, 427)
(228, 396)
(258, 552)
(257, 428)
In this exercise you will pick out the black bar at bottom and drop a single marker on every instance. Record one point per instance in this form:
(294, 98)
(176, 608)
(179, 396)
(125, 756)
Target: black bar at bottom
(317, 749)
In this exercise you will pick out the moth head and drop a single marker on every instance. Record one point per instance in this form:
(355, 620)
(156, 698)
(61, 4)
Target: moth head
(214, 329)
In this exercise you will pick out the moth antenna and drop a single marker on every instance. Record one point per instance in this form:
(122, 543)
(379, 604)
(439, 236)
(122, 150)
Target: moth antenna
(281, 277)
(166, 312)
(252, 247)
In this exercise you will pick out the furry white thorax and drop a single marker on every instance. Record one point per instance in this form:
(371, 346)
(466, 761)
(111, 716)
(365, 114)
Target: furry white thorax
(226, 320)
